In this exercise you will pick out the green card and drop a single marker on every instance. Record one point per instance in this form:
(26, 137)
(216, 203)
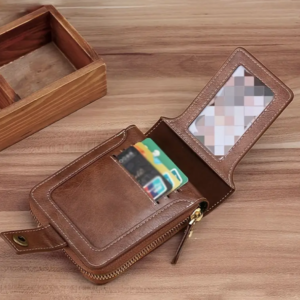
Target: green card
(157, 152)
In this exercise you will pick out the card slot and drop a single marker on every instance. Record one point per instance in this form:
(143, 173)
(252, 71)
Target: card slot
(169, 195)
(106, 186)
(125, 203)
(99, 210)
(155, 202)
(115, 159)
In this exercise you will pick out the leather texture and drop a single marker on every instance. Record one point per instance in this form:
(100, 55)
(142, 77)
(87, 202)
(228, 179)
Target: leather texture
(104, 220)
(100, 214)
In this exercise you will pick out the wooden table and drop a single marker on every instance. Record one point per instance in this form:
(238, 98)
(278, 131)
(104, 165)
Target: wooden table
(159, 55)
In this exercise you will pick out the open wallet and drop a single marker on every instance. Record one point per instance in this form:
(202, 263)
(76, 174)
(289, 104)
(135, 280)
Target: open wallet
(97, 212)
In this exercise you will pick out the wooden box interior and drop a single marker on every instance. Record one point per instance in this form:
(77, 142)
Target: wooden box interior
(34, 34)
(45, 47)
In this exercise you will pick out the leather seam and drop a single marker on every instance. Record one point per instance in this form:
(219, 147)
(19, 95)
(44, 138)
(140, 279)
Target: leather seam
(191, 203)
(69, 176)
(205, 88)
(75, 161)
(152, 230)
(152, 129)
(29, 230)
(222, 199)
(244, 134)
(233, 147)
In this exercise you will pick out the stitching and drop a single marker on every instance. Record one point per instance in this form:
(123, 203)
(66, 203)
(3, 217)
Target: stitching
(29, 230)
(171, 217)
(201, 107)
(142, 223)
(82, 167)
(191, 203)
(75, 161)
(276, 113)
(32, 249)
(205, 88)
(32, 194)
(241, 138)
(139, 186)
(70, 223)
(153, 128)
(69, 176)
(246, 132)
(220, 200)
(205, 104)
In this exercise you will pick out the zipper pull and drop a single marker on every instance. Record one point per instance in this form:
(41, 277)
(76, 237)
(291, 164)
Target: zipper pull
(196, 216)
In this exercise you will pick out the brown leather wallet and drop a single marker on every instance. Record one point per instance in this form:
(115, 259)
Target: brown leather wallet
(104, 227)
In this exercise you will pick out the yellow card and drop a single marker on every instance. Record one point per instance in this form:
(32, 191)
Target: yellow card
(158, 165)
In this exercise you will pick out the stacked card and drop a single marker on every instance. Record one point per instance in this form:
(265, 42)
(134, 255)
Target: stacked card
(152, 168)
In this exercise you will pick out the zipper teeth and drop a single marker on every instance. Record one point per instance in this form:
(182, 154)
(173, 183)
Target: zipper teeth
(133, 260)
(130, 262)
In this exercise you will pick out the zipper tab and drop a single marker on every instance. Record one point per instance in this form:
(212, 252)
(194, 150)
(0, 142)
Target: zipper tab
(195, 217)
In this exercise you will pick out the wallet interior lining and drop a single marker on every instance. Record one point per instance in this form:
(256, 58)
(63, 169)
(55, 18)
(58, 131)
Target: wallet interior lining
(207, 182)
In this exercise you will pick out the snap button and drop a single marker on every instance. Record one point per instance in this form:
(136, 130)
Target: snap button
(20, 240)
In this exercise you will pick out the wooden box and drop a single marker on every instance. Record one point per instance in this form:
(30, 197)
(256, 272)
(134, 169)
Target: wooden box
(86, 82)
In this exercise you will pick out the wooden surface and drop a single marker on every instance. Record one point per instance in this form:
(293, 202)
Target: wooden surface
(7, 94)
(159, 55)
(36, 70)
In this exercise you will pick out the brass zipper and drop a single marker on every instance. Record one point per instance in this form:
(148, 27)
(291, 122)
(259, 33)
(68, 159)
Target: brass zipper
(195, 217)
(133, 260)
(191, 220)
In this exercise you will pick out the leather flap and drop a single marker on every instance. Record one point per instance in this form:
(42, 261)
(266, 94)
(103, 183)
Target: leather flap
(40, 239)
(222, 124)
(251, 122)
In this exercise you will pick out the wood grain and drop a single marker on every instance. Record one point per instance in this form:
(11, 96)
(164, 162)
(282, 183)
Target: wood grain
(24, 35)
(159, 56)
(75, 48)
(7, 94)
(41, 107)
(52, 103)
(36, 70)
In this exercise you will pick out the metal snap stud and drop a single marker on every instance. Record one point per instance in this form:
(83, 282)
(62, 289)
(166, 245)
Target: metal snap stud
(20, 240)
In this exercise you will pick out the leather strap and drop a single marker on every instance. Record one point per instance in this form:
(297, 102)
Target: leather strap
(182, 242)
(40, 239)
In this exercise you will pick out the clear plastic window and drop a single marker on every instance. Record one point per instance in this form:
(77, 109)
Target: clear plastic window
(231, 112)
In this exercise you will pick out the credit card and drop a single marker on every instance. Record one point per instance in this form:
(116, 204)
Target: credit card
(157, 152)
(145, 174)
(158, 165)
